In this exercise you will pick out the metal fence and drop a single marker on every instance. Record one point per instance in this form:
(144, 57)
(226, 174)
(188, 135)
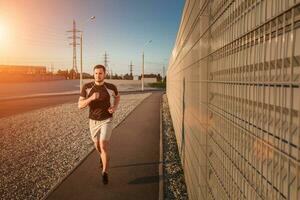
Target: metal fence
(233, 90)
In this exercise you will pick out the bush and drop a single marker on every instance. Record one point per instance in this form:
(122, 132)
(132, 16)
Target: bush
(160, 84)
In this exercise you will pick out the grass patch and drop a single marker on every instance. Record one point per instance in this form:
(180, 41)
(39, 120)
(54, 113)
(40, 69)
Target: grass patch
(161, 85)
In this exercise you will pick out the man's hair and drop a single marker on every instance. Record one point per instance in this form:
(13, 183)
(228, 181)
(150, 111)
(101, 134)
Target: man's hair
(100, 67)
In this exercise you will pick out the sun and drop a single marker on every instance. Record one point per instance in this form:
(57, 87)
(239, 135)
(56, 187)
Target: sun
(3, 33)
(5, 38)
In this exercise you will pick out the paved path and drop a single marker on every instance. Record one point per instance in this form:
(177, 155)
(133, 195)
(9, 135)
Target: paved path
(134, 172)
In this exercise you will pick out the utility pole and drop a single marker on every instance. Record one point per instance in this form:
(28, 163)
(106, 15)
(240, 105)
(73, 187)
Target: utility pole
(81, 78)
(131, 65)
(52, 69)
(143, 64)
(74, 43)
(143, 67)
(164, 71)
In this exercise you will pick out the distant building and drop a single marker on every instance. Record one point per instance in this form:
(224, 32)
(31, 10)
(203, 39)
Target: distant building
(22, 69)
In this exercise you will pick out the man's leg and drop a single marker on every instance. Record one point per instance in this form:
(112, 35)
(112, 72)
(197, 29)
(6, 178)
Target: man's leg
(106, 131)
(98, 148)
(104, 146)
(94, 129)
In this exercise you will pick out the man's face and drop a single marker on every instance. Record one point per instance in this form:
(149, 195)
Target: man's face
(99, 75)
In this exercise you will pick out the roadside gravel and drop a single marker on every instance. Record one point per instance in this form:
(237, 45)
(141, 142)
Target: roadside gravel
(174, 182)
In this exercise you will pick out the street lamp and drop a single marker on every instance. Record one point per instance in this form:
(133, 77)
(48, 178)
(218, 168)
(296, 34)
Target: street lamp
(143, 64)
(81, 81)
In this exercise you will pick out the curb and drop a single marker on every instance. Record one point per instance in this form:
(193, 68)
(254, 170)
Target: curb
(160, 166)
(38, 95)
(68, 93)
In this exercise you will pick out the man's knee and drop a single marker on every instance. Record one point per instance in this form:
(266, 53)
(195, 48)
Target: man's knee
(97, 145)
(104, 145)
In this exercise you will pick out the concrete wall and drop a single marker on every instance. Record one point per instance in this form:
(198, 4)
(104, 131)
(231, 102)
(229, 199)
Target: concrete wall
(150, 80)
(233, 88)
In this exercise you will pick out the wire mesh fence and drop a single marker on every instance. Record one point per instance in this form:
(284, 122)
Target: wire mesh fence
(233, 89)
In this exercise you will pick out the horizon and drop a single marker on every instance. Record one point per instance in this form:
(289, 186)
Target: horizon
(70, 69)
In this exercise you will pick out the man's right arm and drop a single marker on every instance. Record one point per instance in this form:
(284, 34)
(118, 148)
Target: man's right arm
(83, 102)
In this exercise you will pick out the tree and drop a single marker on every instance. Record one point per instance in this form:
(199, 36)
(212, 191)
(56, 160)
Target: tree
(64, 73)
(72, 74)
(158, 78)
(128, 77)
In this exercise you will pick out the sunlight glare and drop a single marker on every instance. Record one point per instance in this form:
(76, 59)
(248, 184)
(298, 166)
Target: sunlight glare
(3, 33)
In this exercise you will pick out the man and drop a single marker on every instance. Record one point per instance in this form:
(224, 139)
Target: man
(97, 95)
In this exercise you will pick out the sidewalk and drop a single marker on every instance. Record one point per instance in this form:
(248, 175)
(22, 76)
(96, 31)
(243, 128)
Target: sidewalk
(134, 172)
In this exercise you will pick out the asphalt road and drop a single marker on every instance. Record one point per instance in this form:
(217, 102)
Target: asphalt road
(12, 107)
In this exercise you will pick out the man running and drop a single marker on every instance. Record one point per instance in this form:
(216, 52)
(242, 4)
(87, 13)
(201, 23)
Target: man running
(97, 95)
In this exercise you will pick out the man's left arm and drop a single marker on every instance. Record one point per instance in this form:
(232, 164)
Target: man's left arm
(116, 102)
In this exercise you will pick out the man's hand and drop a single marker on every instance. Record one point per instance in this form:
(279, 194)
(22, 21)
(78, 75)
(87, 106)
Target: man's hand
(112, 109)
(95, 96)
(83, 102)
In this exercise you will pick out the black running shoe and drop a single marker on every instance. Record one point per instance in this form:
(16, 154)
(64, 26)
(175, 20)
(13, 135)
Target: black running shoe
(105, 178)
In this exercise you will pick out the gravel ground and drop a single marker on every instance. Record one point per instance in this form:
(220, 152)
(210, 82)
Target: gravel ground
(40, 147)
(174, 183)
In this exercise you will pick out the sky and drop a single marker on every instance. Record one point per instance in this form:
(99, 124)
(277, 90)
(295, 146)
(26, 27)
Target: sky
(34, 32)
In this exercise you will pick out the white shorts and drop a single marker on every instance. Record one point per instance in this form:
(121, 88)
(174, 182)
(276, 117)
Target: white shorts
(100, 130)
